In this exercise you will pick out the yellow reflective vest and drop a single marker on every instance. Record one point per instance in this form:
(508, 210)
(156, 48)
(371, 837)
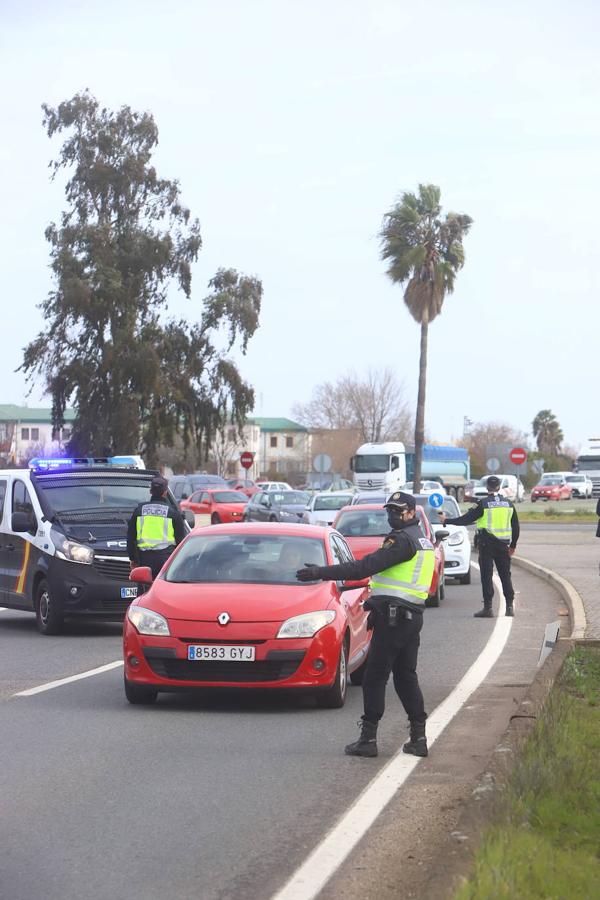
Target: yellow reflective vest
(496, 518)
(410, 580)
(154, 527)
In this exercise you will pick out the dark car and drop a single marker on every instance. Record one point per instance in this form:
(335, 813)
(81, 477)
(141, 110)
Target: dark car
(277, 506)
(183, 486)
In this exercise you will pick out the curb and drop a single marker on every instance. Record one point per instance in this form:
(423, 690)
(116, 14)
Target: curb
(569, 594)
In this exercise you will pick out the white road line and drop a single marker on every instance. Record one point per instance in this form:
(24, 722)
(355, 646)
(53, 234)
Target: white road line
(310, 878)
(59, 683)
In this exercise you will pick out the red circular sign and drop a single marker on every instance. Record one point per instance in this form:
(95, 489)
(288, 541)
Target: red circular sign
(247, 459)
(518, 455)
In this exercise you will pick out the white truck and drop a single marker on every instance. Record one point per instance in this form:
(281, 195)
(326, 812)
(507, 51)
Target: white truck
(588, 463)
(387, 466)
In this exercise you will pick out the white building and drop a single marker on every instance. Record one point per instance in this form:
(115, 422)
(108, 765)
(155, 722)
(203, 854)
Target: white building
(26, 432)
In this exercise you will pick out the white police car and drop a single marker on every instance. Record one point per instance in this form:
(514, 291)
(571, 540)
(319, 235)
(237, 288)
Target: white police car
(63, 527)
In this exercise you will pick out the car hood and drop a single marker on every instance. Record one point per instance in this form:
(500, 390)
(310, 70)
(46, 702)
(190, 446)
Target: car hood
(243, 602)
(291, 508)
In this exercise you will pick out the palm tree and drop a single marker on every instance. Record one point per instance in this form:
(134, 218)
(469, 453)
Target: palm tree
(424, 252)
(547, 432)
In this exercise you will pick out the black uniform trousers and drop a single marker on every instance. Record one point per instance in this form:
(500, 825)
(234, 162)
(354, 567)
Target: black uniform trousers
(394, 649)
(154, 558)
(492, 552)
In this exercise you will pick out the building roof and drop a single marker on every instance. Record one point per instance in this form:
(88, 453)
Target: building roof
(281, 424)
(10, 412)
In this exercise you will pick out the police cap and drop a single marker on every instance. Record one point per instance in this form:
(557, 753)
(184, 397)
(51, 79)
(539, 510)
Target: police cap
(158, 485)
(401, 500)
(493, 483)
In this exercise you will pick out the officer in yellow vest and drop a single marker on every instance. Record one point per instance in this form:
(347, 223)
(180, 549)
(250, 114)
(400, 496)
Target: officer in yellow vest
(497, 535)
(154, 529)
(402, 572)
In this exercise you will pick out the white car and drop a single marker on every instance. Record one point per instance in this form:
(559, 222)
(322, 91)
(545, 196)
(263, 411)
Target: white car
(427, 487)
(511, 487)
(581, 484)
(458, 544)
(273, 486)
(324, 507)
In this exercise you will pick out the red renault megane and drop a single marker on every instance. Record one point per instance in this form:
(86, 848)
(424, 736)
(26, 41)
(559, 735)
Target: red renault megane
(227, 611)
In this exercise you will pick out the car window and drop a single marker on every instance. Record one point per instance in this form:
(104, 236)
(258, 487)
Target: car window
(346, 551)
(336, 550)
(2, 496)
(21, 501)
(177, 490)
(450, 508)
(255, 559)
(229, 497)
(363, 523)
(324, 501)
(196, 497)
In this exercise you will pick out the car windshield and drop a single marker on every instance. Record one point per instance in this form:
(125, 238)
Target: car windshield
(450, 508)
(332, 502)
(363, 523)
(372, 463)
(248, 558)
(97, 493)
(551, 479)
(371, 498)
(289, 498)
(229, 497)
(575, 478)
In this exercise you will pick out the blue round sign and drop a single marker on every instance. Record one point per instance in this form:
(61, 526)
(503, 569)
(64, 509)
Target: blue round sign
(436, 500)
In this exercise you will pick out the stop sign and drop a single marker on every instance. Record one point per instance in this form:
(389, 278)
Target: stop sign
(247, 459)
(518, 456)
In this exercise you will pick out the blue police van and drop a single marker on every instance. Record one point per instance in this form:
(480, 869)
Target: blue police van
(63, 528)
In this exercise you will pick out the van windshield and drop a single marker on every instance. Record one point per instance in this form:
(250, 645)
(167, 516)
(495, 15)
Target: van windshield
(379, 462)
(68, 495)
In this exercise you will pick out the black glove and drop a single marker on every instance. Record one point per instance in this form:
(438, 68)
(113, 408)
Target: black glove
(371, 620)
(309, 573)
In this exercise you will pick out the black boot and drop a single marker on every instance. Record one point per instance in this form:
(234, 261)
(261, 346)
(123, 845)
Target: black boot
(417, 745)
(366, 745)
(510, 610)
(485, 613)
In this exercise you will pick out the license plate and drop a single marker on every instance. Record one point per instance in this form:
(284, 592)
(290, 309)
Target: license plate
(129, 593)
(217, 652)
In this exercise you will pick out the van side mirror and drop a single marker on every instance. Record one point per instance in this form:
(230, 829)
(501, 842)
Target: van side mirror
(141, 575)
(22, 522)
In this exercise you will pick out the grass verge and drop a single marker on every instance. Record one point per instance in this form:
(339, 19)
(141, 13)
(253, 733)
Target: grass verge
(544, 843)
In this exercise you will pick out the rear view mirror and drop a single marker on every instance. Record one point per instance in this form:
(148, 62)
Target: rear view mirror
(141, 575)
(354, 585)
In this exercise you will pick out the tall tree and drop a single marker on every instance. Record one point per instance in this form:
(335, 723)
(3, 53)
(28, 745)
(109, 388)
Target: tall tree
(424, 252)
(375, 405)
(136, 379)
(547, 432)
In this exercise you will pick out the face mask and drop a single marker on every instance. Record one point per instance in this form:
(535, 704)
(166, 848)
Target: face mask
(394, 517)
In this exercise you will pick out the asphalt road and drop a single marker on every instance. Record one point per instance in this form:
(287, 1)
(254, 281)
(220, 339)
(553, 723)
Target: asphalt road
(203, 796)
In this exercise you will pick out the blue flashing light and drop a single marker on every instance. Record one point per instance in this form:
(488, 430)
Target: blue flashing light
(40, 464)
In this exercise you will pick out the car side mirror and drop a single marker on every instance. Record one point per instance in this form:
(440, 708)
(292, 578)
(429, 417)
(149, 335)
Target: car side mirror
(22, 522)
(189, 517)
(185, 496)
(354, 585)
(141, 575)
(441, 535)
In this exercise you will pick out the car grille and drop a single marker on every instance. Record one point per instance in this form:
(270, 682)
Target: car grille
(188, 670)
(116, 567)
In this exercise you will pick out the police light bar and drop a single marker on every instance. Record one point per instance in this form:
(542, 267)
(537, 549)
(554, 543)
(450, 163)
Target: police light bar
(41, 464)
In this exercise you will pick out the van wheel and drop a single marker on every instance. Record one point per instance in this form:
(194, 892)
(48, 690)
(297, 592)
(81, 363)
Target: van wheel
(335, 697)
(49, 618)
(139, 694)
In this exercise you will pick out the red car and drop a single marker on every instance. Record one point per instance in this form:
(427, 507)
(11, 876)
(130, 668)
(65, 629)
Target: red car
(365, 525)
(227, 611)
(248, 487)
(552, 487)
(220, 505)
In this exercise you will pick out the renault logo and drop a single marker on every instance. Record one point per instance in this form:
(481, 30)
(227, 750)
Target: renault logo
(223, 618)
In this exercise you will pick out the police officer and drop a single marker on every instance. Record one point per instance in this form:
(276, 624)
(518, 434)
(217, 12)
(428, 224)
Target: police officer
(497, 536)
(402, 571)
(154, 529)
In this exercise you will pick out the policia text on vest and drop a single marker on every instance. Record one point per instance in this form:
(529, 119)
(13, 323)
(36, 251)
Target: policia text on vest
(154, 530)
(401, 574)
(498, 532)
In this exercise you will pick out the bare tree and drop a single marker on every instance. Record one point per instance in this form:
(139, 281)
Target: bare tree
(375, 405)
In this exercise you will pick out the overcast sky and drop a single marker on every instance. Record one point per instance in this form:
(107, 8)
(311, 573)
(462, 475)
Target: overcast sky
(293, 127)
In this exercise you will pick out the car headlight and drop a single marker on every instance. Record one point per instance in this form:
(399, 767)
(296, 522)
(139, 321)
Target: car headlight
(456, 538)
(306, 625)
(146, 621)
(71, 550)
